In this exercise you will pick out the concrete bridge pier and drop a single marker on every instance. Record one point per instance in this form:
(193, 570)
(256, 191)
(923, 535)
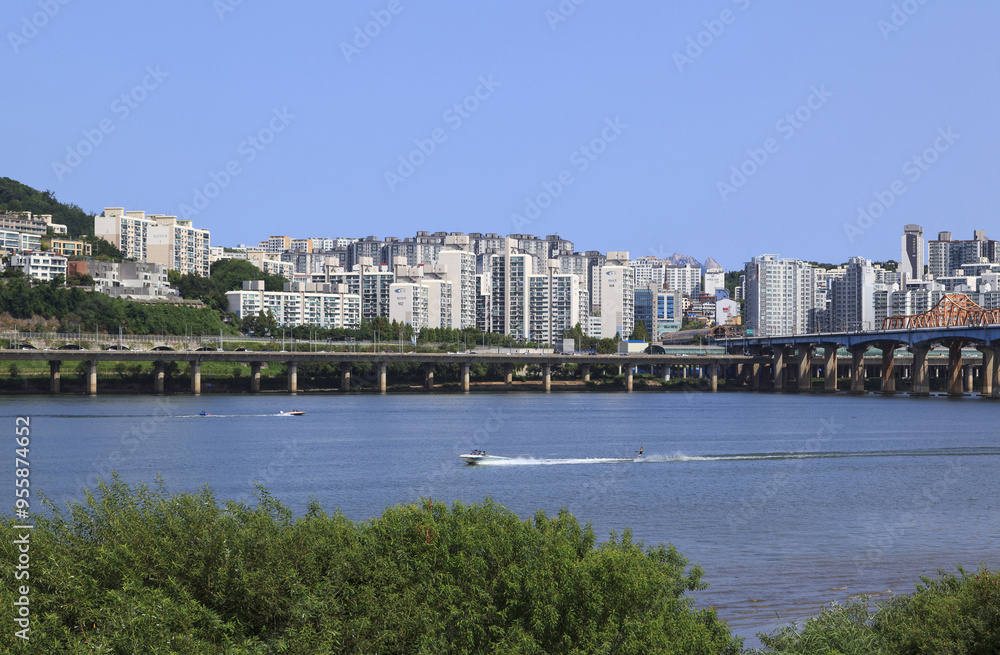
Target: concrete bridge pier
(159, 375)
(584, 372)
(988, 375)
(508, 374)
(955, 368)
(830, 368)
(888, 368)
(858, 369)
(196, 378)
(968, 377)
(665, 372)
(428, 377)
(921, 379)
(293, 377)
(713, 373)
(345, 376)
(465, 376)
(628, 378)
(380, 368)
(778, 366)
(92, 378)
(254, 377)
(996, 374)
(804, 369)
(54, 376)
(547, 377)
(755, 376)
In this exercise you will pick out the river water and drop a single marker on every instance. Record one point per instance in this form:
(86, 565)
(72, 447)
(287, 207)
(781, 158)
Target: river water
(787, 501)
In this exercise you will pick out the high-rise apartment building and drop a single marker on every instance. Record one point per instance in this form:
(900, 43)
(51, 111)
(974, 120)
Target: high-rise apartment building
(370, 282)
(554, 303)
(617, 282)
(781, 297)
(945, 255)
(370, 247)
(156, 238)
(647, 270)
(683, 278)
(459, 264)
(851, 297)
(911, 261)
(420, 297)
(509, 297)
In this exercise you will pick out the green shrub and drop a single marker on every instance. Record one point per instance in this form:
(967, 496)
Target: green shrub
(950, 615)
(137, 569)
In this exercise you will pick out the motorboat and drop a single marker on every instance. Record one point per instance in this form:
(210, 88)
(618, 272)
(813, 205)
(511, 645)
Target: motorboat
(479, 457)
(294, 412)
(203, 414)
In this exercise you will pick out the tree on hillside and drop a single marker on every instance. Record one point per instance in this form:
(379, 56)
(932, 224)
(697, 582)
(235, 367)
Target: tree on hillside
(226, 275)
(15, 196)
(103, 249)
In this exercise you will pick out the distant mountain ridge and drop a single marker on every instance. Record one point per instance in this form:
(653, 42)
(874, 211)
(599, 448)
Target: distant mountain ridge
(678, 259)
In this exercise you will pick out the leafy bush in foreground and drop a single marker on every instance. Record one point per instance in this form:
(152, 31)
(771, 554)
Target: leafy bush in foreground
(949, 615)
(139, 570)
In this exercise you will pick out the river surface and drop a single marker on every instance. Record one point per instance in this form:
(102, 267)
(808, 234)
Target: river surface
(788, 502)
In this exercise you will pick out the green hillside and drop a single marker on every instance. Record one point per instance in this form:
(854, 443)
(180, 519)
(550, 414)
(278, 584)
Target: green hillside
(15, 196)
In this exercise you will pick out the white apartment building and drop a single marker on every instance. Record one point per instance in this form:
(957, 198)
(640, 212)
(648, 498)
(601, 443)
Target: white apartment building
(12, 241)
(178, 245)
(509, 297)
(781, 297)
(270, 263)
(322, 305)
(28, 224)
(41, 265)
(156, 238)
(126, 230)
(852, 297)
(617, 296)
(367, 280)
(686, 278)
(554, 304)
(647, 270)
(945, 255)
(715, 279)
(421, 296)
(459, 264)
(275, 245)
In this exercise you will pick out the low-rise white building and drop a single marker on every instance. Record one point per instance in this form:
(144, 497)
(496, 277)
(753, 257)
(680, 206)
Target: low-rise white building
(42, 265)
(322, 305)
(12, 241)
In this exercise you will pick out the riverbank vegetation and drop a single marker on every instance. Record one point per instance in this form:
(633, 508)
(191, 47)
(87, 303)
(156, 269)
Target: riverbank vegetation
(136, 569)
(954, 614)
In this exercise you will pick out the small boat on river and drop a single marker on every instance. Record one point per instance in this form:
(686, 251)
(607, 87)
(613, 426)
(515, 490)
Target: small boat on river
(294, 412)
(480, 457)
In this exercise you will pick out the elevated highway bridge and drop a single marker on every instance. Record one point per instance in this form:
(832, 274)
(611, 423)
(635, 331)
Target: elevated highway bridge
(968, 333)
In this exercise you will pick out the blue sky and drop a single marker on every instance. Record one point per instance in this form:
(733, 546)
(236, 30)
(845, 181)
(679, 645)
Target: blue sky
(727, 128)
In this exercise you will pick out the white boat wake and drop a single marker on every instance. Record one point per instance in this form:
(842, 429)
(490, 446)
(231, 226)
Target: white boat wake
(678, 457)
